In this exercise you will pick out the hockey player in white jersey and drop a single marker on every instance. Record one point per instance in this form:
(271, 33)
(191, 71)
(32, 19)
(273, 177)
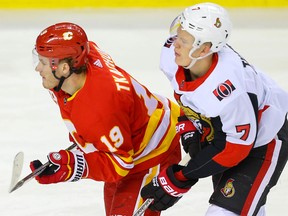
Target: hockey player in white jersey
(234, 122)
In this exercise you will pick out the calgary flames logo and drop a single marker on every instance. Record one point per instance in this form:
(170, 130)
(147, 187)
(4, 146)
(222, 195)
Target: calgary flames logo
(228, 191)
(67, 35)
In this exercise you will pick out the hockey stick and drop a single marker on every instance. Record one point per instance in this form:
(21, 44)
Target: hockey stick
(148, 201)
(17, 168)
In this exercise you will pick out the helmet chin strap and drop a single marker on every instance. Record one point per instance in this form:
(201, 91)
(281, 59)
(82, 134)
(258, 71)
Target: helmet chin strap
(61, 80)
(193, 59)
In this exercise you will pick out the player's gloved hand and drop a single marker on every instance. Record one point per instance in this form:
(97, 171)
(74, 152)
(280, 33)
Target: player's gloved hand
(190, 137)
(65, 166)
(166, 189)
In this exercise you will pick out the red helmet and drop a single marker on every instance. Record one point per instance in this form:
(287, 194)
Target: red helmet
(63, 40)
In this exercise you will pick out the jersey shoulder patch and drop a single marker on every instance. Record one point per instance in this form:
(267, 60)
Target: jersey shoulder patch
(224, 90)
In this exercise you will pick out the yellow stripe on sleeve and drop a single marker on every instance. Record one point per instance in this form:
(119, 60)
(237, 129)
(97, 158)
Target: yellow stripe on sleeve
(151, 127)
(118, 169)
(165, 143)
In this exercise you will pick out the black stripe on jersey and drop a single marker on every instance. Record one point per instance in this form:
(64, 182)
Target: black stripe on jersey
(283, 133)
(203, 165)
(187, 74)
(254, 102)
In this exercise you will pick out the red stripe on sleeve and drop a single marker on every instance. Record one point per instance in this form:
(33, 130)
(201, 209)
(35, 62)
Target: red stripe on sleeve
(232, 154)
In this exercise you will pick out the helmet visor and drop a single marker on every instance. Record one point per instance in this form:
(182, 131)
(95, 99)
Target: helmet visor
(35, 58)
(174, 26)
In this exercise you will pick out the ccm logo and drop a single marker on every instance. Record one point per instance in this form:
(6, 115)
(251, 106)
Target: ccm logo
(168, 188)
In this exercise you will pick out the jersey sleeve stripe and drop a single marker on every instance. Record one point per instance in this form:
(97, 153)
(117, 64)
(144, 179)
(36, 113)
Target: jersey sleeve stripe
(166, 133)
(232, 154)
(121, 168)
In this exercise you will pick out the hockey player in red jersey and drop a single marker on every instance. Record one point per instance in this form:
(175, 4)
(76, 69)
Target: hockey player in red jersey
(238, 113)
(124, 133)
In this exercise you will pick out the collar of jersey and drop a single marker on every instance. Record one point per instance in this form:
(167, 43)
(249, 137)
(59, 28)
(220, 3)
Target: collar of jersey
(192, 85)
(73, 96)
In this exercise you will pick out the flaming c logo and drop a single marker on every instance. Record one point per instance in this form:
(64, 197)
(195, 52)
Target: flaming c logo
(67, 35)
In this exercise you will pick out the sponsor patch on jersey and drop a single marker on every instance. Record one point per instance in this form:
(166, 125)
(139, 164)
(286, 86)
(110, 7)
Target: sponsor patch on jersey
(228, 190)
(224, 90)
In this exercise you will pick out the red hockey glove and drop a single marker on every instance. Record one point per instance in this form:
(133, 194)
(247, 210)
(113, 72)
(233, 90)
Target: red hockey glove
(65, 166)
(166, 189)
(190, 137)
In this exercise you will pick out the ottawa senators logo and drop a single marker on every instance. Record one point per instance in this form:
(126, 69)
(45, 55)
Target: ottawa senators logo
(224, 90)
(201, 122)
(218, 23)
(228, 191)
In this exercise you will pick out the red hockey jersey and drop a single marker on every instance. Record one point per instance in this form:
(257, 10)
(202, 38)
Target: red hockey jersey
(120, 126)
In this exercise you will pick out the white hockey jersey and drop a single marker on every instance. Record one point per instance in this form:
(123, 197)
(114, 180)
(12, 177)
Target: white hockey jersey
(233, 105)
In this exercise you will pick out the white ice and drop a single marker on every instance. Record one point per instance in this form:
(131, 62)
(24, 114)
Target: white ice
(30, 122)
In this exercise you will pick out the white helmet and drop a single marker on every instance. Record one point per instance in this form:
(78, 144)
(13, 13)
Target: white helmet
(207, 22)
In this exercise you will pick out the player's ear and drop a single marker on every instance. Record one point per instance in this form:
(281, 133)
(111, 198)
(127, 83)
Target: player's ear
(65, 68)
(205, 48)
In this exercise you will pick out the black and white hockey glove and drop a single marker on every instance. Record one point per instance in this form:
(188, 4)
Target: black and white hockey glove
(190, 136)
(166, 189)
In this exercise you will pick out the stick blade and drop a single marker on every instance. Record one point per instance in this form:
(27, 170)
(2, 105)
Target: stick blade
(16, 171)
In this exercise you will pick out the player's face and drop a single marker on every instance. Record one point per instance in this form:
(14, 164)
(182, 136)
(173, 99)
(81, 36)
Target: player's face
(45, 71)
(183, 45)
